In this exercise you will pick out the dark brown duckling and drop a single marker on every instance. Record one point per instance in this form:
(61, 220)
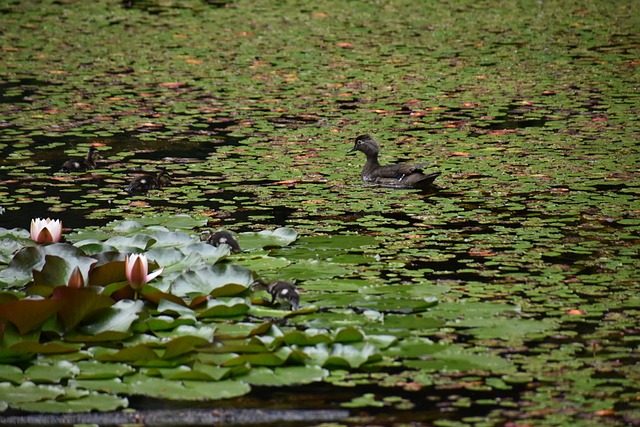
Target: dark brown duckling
(81, 165)
(144, 183)
(284, 293)
(394, 175)
(221, 237)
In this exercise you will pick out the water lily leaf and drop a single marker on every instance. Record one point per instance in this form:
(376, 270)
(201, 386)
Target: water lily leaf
(185, 390)
(456, 358)
(214, 373)
(182, 345)
(105, 385)
(19, 271)
(27, 315)
(140, 352)
(366, 400)
(219, 308)
(415, 347)
(117, 318)
(171, 307)
(351, 356)
(170, 239)
(136, 243)
(215, 390)
(126, 226)
(93, 401)
(93, 246)
(164, 323)
(7, 248)
(400, 324)
(349, 334)
(28, 392)
(313, 269)
(503, 327)
(216, 280)
(184, 256)
(201, 330)
(309, 337)
(285, 375)
(261, 359)
(208, 253)
(153, 295)
(94, 370)
(171, 221)
(11, 373)
(52, 347)
(77, 304)
(341, 356)
(165, 255)
(156, 387)
(104, 336)
(282, 236)
(56, 271)
(105, 273)
(51, 373)
(264, 264)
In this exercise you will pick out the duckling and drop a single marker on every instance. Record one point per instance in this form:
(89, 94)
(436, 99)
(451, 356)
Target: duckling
(82, 165)
(221, 237)
(142, 184)
(284, 293)
(394, 175)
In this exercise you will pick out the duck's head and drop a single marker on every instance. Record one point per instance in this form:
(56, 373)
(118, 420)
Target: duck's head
(367, 144)
(94, 153)
(163, 177)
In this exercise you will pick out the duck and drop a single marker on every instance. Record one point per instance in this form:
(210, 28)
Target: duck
(82, 165)
(394, 175)
(285, 293)
(221, 237)
(144, 183)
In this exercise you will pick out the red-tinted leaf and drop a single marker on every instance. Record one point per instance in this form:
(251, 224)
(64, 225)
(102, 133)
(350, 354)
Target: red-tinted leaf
(105, 274)
(77, 304)
(27, 314)
(157, 296)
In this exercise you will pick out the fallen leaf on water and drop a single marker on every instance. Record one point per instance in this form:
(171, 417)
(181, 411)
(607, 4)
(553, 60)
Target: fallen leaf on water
(171, 85)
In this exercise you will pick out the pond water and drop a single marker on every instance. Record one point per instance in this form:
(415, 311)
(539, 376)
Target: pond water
(528, 250)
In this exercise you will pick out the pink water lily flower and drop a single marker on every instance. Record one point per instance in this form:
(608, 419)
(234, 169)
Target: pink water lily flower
(137, 270)
(46, 230)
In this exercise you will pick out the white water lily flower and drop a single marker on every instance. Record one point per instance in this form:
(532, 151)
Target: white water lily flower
(46, 230)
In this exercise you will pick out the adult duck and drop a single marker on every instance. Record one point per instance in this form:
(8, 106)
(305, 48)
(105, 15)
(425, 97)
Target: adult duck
(393, 175)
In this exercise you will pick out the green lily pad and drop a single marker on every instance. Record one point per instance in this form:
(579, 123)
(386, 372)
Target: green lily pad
(117, 318)
(90, 402)
(219, 308)
(282, 236)
(216, 280)
(287, 375)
